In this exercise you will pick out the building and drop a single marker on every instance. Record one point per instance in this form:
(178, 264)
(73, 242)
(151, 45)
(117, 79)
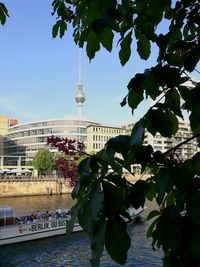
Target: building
(98, 135)
(5, 123)
(163, 144)
(188, 149)
(26, 139)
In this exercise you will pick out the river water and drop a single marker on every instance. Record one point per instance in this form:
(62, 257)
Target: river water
(71, 250)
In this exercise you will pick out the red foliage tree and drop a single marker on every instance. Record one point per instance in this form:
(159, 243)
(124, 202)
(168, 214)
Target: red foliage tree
(68, 167)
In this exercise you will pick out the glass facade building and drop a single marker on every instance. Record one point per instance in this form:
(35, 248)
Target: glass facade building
(26, 139)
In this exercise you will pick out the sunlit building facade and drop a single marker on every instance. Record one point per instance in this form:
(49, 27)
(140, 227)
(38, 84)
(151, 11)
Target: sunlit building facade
(5, 123)
(98, 135)
(26, 139)
(163, 144)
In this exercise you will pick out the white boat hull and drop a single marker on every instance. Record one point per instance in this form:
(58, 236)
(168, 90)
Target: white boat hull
(26, 232)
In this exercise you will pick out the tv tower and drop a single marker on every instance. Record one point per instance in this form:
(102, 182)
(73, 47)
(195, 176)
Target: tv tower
(80, 97)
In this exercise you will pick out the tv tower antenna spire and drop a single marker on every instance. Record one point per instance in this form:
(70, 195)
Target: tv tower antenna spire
(80, 97)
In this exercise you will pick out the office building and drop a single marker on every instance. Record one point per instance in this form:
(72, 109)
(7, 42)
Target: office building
(98, 135)
(163, 144)
(26, 139)
(5, 123)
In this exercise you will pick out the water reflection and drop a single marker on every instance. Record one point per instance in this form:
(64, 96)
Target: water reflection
(71, 250)
(29, 204)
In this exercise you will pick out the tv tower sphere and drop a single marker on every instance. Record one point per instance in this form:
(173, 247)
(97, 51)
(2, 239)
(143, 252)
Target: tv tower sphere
(80, 97)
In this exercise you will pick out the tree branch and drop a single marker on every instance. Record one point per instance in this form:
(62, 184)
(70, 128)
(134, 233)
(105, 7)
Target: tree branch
(182, 143)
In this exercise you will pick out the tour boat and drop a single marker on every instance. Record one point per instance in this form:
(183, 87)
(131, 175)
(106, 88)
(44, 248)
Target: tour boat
(41, 224)
(24, 228)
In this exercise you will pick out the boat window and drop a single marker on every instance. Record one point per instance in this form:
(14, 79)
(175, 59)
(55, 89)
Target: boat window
(6, 215)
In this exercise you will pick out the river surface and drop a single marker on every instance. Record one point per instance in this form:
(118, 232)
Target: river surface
(71, 250)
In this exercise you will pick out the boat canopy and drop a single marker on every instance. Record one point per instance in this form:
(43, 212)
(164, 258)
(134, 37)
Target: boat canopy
(7, 215)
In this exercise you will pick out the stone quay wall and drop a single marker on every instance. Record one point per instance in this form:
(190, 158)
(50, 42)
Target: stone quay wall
(42, 186)
(22, 187)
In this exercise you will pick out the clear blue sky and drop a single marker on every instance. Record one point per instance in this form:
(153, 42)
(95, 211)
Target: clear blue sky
(38, 74)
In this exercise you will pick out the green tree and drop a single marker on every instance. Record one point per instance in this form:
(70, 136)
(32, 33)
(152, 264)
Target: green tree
(44, 161)
(103, 197)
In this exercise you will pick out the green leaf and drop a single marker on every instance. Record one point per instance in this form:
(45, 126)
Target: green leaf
(55, 29)
(125, 51)
(151, 228)
(137, 194)
(193, 206)
(95, 10)
(117, 241)
(196, 162)
(137, 134)
(117, 180)
(194, 118)
(153, 214)
(150, 83)
(96, 201)
(169, 229)
(106, 38)
(91, 206)
(192, 58)
(98, 26)
(143, 45)
(192, 99)
(3, 13)
(103, 160)
(155, 10)
(135, 98)
(74, 214)
(171, 198)
(162, 184)
(194, 243)
(172, 101)
(163, 121)
(175, 36)
(120, 144)
(55, 5)
(76, 192)
(174, 59)
(84, 178)
(143, 155)
(141, 5)
(115, 197)
(94, 164)
(63, 28)
(150, 190)
(84, 167)
(97, 239)
(169, 75)
(92, 44)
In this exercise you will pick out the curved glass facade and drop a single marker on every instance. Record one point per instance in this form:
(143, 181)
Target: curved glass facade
(26, 139)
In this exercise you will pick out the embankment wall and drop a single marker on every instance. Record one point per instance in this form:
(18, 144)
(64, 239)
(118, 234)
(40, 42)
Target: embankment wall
(17, 187)
(10, 188)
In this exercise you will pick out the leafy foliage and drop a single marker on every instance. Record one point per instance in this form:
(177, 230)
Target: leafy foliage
(67, 161)
(3, 13)
(44, 161)
(103, 197)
